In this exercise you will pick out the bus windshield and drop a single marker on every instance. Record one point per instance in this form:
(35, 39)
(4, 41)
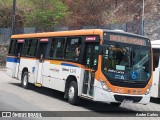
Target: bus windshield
(126, 62)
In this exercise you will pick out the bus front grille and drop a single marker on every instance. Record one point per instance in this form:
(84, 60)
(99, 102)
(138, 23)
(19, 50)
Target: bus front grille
(121, 98)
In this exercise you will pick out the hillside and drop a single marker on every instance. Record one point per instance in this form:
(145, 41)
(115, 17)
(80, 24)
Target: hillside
(130, 10)
(51, 13)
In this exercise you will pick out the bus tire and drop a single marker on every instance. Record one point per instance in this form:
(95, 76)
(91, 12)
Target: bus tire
(24, 81)
(115, 104)
(73, 93)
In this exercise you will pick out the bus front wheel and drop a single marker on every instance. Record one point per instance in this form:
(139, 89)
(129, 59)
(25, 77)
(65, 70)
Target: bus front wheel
(73, 93)
(24, 81)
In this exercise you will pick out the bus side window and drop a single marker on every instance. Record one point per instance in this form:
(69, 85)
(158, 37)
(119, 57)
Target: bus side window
(52, 49)
(59, 48)
(24, 52)
(12, 47)
(155, 58)
(70, 51)
(32, 45)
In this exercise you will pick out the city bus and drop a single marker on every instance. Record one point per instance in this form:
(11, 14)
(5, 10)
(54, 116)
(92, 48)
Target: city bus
(112, 66)
(155, 91)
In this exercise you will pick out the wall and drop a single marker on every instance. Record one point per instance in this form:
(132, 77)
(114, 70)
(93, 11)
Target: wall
(151, 29)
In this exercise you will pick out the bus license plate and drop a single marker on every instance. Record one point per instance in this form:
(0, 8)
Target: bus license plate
(127, 101)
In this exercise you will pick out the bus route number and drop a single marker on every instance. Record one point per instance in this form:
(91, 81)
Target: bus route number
(72, 70)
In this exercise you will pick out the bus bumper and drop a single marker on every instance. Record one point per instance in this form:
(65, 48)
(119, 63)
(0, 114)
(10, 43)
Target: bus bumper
(104, 96)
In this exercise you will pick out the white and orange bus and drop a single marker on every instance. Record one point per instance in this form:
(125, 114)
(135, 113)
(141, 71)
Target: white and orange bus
(112, 66)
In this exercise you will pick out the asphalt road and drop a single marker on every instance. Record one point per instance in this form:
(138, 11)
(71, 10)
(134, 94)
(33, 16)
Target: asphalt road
(15, 98)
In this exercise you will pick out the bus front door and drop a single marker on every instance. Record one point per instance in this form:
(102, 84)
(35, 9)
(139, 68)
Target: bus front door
(91, 62)
(41, 56)
(19, 48)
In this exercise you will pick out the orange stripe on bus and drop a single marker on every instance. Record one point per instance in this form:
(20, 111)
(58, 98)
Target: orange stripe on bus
(55, 62)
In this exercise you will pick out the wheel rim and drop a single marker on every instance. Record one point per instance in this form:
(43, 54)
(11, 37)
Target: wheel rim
(71, 92)
(25, 80)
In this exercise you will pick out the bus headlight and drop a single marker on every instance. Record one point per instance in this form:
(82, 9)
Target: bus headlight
(104, 86)
(148, 90)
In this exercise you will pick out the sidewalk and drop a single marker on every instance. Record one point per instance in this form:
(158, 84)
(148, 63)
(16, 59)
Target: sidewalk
(2, 68)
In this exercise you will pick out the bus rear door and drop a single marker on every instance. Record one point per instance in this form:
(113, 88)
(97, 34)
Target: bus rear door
(40, 62)
(13, 61)
(19, 48)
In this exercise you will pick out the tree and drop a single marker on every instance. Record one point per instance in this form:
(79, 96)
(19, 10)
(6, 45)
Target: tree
(5, 13)
(86, 12)
(6, 7)
(45, 14)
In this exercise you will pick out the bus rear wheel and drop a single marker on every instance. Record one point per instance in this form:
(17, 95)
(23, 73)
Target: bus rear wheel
(73, 93)
(24, 81)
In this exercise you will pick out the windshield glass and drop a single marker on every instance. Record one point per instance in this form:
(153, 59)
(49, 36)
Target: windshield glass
(126, 62)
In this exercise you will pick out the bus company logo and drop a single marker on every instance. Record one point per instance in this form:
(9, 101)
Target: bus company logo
(115, 71)
(33, 69)
(6, 114)
(54, 69)
(65, 69)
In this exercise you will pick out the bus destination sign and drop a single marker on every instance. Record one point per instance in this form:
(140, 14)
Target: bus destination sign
(125, 39)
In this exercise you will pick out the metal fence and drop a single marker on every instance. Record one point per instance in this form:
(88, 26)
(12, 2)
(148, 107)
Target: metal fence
(151, 29)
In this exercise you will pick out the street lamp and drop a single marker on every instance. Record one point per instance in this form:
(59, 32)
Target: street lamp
(143, 18)
(13, 17)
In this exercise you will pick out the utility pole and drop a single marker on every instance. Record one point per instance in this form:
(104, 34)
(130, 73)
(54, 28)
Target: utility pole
(143, 18)
(13, 17)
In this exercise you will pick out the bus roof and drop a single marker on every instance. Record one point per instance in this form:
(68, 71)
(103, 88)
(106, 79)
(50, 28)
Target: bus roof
(72, 33)
(60, 33)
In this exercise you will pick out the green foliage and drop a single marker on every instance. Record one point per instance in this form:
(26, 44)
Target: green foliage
(6, 8)
(45, 13)
(33, 13)
(5, 13)
(114, 21)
